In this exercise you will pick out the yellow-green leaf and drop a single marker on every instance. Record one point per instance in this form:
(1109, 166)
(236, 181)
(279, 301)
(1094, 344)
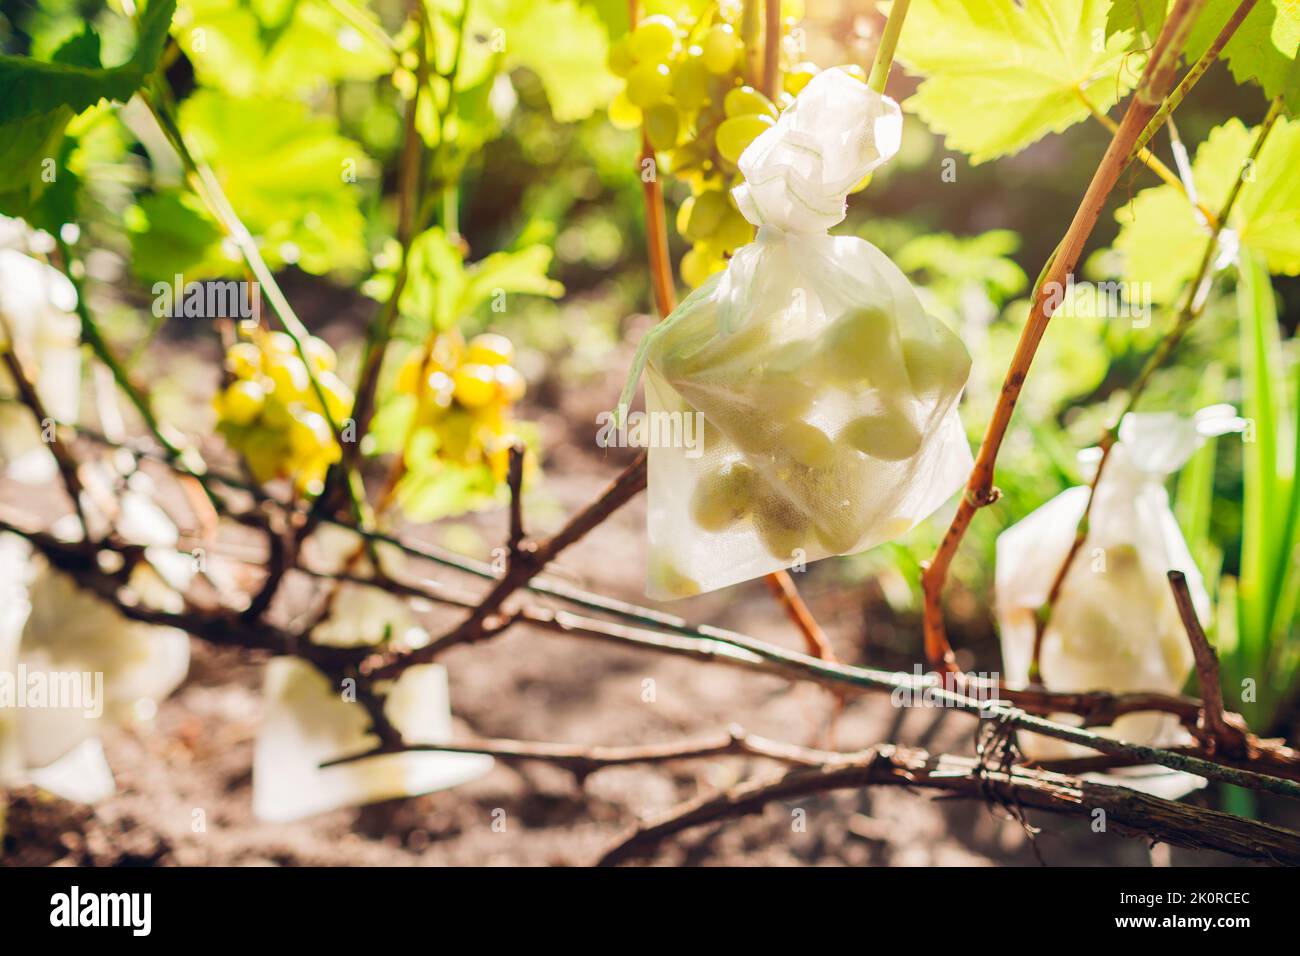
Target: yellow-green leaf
(1000, 75)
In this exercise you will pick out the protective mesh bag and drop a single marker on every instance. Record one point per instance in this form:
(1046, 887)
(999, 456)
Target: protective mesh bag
(1114, 626)
(828, 396)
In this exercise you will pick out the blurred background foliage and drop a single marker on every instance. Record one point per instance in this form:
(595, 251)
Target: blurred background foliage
(297, 104)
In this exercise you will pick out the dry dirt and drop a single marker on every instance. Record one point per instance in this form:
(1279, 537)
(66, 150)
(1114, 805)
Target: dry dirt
(534, 685)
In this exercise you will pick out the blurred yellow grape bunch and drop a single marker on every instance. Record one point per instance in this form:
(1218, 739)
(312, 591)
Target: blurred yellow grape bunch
(450, 416)
(277, 412)
(687, 86)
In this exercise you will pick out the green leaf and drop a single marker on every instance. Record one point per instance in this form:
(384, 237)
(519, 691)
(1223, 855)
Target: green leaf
(1194, 494)
(1267, 537)
(287, 174)
(506, 272)
(38, 99)
(1000, 75)
(1162, 239)
(563, 41)
(441, 290)
(32, 87)
(1261, 51)
(1136, 17)
(444, 489)
(172, 234)
(435, 280)
(249, 48)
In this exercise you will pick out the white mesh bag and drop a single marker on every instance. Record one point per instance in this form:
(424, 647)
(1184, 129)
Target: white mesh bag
(1115, 626)
(827, 395)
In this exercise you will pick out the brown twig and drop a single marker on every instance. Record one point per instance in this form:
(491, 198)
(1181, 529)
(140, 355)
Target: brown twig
(515, 481)
(519, 572)
(1155, 83)
(1131, 812)
(63, 457)
(1194, 302)
(583, 761)
(1220, 736)
(771, 48)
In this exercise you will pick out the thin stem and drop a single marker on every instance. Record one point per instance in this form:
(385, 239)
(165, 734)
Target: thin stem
(1194, 301)
(884, 60)
(771, 48)
(1149, 159)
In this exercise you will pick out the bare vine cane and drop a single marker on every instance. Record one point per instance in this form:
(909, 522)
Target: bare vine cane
(1194, 302)
(1154, 86)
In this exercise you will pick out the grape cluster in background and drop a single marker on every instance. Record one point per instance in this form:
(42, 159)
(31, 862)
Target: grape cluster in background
(465, 394)
(274, 415)
(686, 86)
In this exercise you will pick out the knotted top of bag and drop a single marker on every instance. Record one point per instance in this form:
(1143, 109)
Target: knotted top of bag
(798, 173)
(1154, 445)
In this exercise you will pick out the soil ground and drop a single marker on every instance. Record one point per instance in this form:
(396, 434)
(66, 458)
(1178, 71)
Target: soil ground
(534, 685)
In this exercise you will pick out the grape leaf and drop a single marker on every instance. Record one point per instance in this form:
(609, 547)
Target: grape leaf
(287, 173)
(441, 290)
(1261, 51)
(251, 48)
(172, 234)
(999, 76)
(563, 41)
(33, 87)
(38, 99)
(1162, 239)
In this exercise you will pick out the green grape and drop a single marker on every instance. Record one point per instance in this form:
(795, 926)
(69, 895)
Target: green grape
(785, 382)
(289, 376)
(734, 230)
(747, 101)
(724, 496)
(781, 526)
(244, 359)
(707, 213)
(661, 125)
(475, 385)
(623, 113)
(807, 444)
(690, 86)
(654, 38)
(648, 84)
(666, 577)
(720, 48)
(942, 365)
(698, 264)
(510, 384)
(735, 134)
(490, 349)
(309, 433)
(242, 402)
(338, 397)
(888, 435)
(797, 77)
(320, 355)
(621, 59)
(861, 347)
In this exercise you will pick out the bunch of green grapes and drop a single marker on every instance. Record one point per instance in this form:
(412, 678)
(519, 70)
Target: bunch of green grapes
(799, 484)
(686, 88)
(465, 394)
(271, 413)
